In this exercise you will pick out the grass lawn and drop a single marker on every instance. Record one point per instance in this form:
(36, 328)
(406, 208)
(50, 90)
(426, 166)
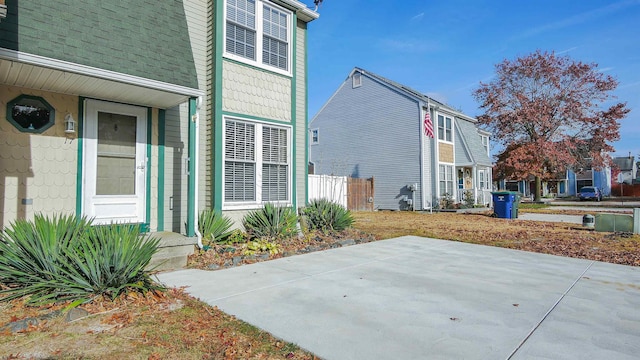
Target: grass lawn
(172, 325)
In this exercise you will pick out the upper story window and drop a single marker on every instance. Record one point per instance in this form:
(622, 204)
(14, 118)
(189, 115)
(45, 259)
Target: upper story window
(445, 126)
(315, 136)
(485, 143)
(356, 80)
(30, 114)
(255, 27)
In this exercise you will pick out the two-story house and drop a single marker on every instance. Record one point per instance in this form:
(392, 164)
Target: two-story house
(418, 150)
(147, 113)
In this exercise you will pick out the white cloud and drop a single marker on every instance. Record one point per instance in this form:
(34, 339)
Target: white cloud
(566, 51)
(417, 17)
(605, 69)
(408, 45)
(579, 18)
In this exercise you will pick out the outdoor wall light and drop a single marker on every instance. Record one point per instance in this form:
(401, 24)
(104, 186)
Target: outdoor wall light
(69, 124)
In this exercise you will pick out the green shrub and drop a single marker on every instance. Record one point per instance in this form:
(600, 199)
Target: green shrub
(325, 216)
(271, 222)
(65, 258)
(214, 226)
(446, 201)
(468, 198)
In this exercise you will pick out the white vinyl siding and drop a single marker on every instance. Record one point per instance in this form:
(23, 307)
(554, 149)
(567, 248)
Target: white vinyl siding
(446, 179)
(257, 163)
(246, 36)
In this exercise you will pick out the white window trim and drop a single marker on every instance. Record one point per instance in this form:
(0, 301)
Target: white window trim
(356, 80)
(259, 36)
(482, 139)
(311, 135)
(454, 185)
(258, 203)
(445, 127)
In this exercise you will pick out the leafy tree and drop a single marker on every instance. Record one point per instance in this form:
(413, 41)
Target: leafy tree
(549, 113)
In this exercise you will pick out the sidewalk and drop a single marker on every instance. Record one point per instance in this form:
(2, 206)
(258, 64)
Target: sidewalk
(417, 298)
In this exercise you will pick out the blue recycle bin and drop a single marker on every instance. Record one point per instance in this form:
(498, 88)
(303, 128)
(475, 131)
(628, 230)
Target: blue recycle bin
(505, 204)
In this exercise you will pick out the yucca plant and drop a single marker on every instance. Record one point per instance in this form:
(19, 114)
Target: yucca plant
(325, 216)
(35, 257)
(65, 258)
(214, 226)
(271, 222)
(112, 258)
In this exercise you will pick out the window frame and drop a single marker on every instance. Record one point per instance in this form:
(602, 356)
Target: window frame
(315, 136)
(447, 178)
(13, 102)
(484, 139)
(260, 36)
(446, 127)
(259, 161)
(356, 80)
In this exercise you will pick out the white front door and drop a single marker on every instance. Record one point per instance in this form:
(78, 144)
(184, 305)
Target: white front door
(115, 162)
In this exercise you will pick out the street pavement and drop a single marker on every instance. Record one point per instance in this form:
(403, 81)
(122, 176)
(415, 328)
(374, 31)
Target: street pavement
(422, 298)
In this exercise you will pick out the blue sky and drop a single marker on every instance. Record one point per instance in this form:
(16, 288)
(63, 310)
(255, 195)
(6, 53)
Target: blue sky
(445, 48)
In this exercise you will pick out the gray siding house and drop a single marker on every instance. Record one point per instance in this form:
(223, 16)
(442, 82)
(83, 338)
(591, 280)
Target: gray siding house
(374, 127)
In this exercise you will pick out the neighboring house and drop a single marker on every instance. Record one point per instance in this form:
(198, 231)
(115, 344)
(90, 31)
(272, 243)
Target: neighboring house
(148, 114)
(374, 127)
(566, 184)
(628, 169)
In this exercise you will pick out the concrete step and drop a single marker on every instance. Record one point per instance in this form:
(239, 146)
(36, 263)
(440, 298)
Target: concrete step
(173, 250)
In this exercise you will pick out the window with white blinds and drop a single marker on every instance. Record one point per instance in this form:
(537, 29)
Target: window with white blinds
(247, 36)
(275, 166)
(240, 162)
(257, 163)
(241, 28)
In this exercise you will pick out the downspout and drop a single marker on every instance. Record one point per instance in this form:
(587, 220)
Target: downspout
(192, 181)
(196, 171)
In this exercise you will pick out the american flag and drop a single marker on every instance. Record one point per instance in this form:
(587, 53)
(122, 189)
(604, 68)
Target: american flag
(428, 125)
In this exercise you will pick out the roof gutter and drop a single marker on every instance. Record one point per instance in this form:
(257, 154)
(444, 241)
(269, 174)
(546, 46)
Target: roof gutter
(91, 71)
(304, 13)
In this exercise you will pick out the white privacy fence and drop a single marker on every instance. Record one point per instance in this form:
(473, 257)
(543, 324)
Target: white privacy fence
(333, 188)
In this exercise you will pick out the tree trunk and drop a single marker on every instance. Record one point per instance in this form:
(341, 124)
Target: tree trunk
(538, 191)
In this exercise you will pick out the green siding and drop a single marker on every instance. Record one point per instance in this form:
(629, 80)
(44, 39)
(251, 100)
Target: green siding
(148, 38)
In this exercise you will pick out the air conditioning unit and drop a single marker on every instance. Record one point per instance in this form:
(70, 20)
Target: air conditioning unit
(3, 11)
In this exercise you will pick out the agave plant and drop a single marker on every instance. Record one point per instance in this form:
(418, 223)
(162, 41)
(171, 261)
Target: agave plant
(271, 222)
(214, 226)
(65, 258)
(325, 216)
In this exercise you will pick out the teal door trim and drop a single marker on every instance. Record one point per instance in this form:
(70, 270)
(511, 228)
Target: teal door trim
(216, 140)
(191, 179)
(161, 160)
(294, 117)
(147, 222)
(79, 169)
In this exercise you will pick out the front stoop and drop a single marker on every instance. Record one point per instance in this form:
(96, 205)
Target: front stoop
(173, 250)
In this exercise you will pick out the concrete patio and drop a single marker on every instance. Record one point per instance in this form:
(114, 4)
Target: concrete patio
(419, 298)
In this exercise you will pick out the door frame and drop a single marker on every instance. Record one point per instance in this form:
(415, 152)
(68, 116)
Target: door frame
(89, 149)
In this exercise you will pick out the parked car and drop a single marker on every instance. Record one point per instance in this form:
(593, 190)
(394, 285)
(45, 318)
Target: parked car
(590, 193)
